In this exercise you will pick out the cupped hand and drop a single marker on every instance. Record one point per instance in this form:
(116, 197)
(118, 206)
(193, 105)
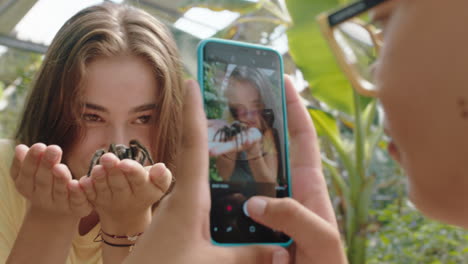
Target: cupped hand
(46, 183)
(179, 231)
(309, 218)
(222, 144)
(123, 192)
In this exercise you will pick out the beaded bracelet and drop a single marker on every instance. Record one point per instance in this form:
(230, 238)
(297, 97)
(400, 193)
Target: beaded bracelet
(129, 238)
(130, 246)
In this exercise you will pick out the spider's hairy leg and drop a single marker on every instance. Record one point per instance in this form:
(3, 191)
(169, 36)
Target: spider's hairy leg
(130, 154)
(112, 149)
(95, 160)
(219, 132)
(239, 131)
(137, 154)
(141, 148)
(237, 141)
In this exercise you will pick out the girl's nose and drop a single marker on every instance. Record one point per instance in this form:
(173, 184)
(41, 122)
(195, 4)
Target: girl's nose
(119, 135)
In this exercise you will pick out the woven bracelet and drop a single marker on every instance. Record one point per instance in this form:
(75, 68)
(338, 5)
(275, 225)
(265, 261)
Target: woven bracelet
(129, 238)
(117, 245)
(130, 246)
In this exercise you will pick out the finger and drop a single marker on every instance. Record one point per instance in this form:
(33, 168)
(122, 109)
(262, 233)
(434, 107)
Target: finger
(255, 254)
(78, 201)
(309, 185)
(20, 154)
(62, 176)
(87, 185)
(161, 177)
(99, 177)
(162, 180)
(192, 161)
(303, 138)
(137, 175)
(26, 178)
(292, 218)
(44, 178)
(116, 180)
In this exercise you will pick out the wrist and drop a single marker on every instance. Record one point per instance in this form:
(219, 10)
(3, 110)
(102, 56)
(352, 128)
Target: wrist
(117, 240)
(254, 152)
(126, 226)
(56, 221)
(56, 228)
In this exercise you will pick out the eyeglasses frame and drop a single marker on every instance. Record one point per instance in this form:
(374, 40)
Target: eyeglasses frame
(328, 21)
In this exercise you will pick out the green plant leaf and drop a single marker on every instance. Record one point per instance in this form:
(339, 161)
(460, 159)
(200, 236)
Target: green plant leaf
(1, 89)
(340, 185)
(325, 124)
(368, 116)
(313, 56)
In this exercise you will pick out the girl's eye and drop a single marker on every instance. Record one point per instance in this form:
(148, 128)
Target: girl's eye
(92, 118)
(145, 119)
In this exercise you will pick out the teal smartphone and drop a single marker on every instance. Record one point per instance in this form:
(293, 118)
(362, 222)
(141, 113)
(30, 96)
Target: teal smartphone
(244, 100)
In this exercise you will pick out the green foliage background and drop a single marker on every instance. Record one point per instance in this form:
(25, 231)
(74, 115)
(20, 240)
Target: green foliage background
(396, 232)
(17, 70)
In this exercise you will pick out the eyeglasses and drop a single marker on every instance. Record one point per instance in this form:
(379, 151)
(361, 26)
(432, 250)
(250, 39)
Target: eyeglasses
(355, 43)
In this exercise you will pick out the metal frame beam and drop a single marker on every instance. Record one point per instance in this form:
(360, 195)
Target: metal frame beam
(22, 44)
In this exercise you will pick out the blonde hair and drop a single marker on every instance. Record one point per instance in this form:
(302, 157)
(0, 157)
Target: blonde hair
(53, 108)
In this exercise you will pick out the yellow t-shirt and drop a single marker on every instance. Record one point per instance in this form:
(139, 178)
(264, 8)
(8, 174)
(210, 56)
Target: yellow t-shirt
(13, 209)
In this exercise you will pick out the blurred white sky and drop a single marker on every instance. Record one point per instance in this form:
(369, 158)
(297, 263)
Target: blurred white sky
(207, 22)
(46, 17)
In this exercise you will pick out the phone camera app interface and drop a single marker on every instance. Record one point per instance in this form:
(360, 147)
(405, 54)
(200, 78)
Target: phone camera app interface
(243, 102)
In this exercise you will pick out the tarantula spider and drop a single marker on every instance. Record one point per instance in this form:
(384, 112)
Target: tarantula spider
(227, 133)
(135, 151)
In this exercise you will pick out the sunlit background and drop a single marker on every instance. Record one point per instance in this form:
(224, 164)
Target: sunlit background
(392, 230)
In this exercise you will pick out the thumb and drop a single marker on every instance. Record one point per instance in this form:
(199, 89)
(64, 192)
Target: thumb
(256, 254)
(20, 153)
(292, 218)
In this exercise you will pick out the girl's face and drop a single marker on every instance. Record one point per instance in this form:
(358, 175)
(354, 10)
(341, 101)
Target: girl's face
(119, 96)
(244, 99)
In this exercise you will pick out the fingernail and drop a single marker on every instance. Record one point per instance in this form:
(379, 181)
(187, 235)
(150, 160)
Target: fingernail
(74, 186)
(280, 257)
(98, 173)
(107, 160)
(126, 165)
(21, 147)
(159, 169)
(158, 172)
(37, 149)
(256, 206)
(51, 155)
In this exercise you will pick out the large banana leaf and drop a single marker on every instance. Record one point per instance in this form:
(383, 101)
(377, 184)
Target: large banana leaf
(314, 58)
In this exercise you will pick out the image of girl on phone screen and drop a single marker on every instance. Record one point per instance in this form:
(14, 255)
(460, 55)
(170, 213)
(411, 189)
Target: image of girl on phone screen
(254, 113)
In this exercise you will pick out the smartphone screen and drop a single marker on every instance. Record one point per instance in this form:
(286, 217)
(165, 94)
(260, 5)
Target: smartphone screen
(244, 102)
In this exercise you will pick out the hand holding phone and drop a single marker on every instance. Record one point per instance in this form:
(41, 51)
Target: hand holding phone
(313, 228)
